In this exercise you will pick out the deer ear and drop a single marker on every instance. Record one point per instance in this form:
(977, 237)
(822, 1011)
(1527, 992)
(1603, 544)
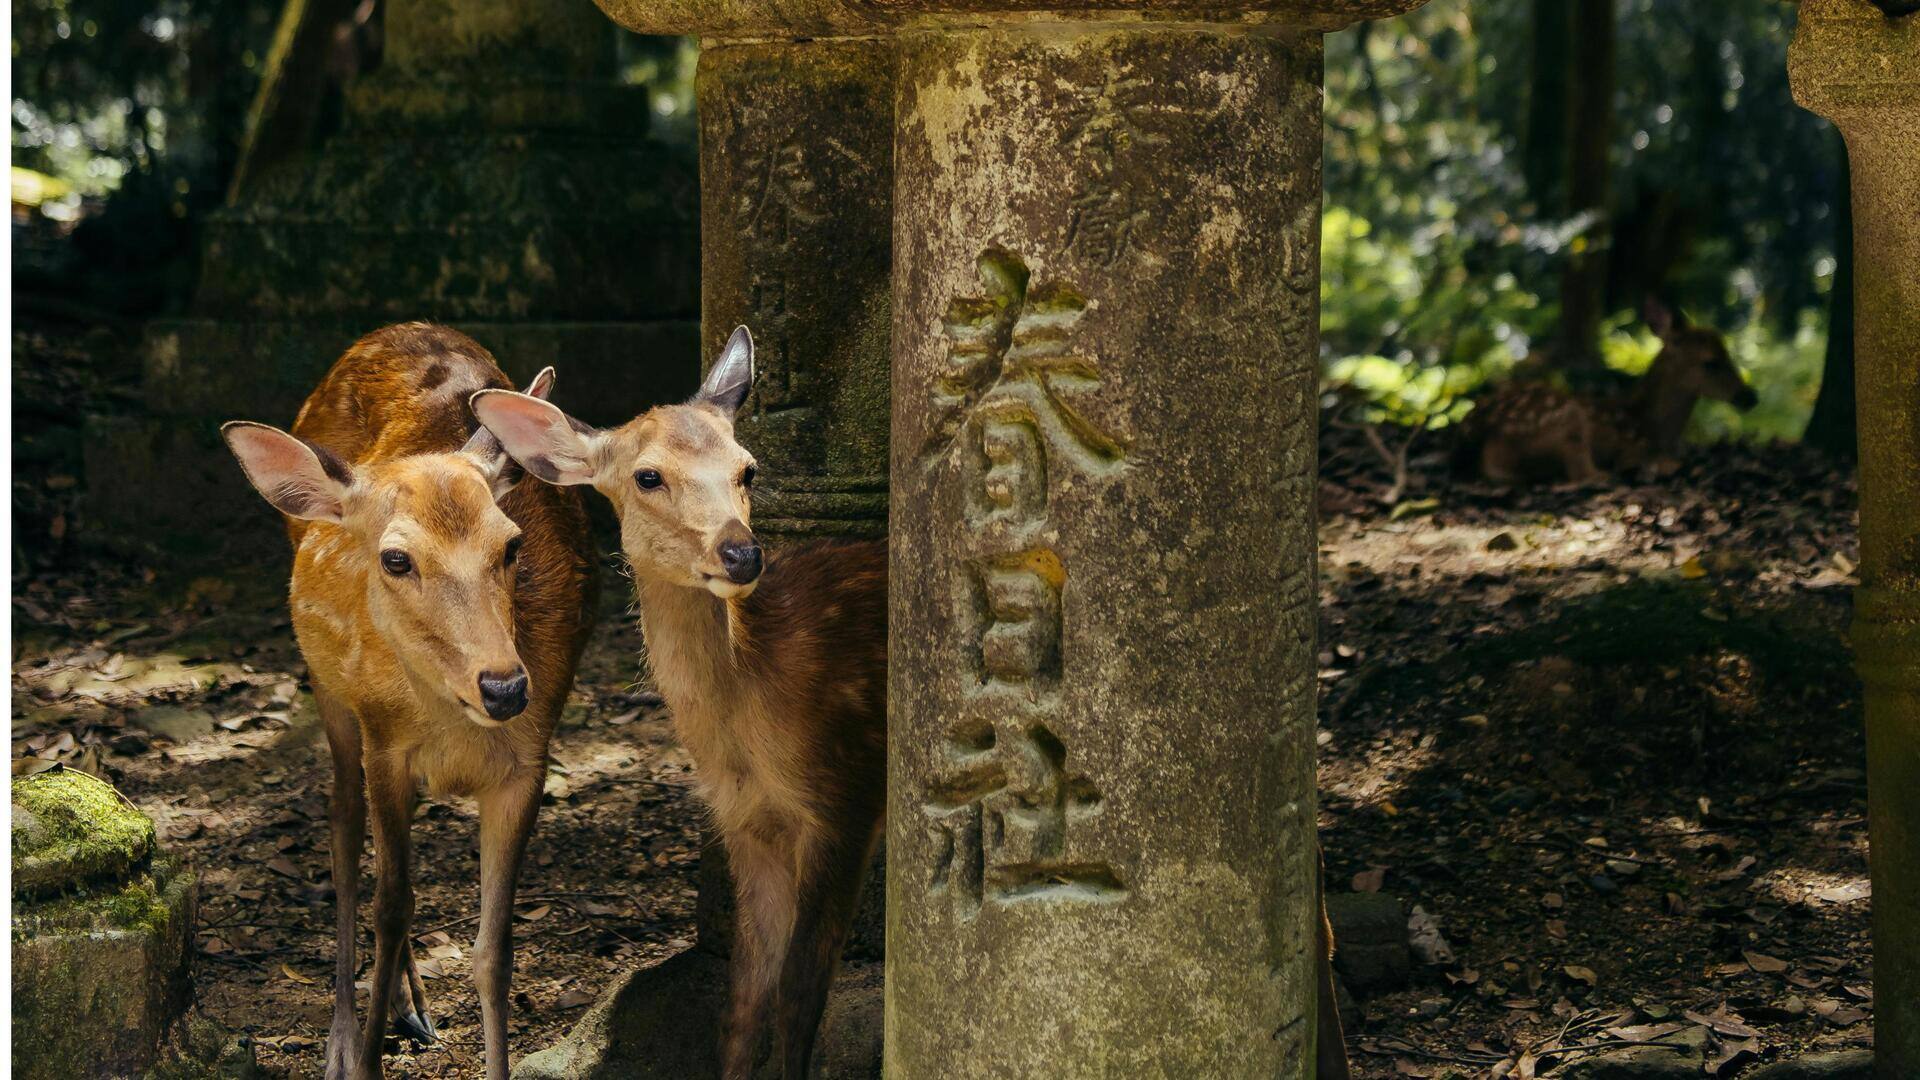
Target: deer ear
(732, 375)
(502, 472)
(1661, 318)
(545, 441)
(300, 479)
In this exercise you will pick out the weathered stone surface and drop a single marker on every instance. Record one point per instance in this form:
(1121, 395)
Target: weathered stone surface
(733, 19)
(1370, 941)
(101, 932)
(796, 222)
(1101, 793)
(1854, 65)
(1685, 1061)
(1824, 1065)
(70, 829)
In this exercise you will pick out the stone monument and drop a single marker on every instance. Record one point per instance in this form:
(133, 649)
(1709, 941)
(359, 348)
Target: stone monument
(1858, 64)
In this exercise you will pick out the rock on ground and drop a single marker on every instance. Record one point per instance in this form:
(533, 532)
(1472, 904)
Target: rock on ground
(1825, 1065)
(101, 932)
(1686, 1060)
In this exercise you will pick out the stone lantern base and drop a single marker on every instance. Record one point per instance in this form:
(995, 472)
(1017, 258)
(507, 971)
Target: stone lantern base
(102, 926)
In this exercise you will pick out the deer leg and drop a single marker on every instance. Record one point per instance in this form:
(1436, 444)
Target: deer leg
(827, 902)
(390, 798)
(764, 900)
(347, 818)
(506, 823)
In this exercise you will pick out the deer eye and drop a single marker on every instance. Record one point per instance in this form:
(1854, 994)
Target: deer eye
(512, 552)
(648, 479)
(746, 476)
(395, 562)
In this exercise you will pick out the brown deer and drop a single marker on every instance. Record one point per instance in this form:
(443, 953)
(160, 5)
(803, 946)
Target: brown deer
(441, 609)
(1528, 431)
(775, 667)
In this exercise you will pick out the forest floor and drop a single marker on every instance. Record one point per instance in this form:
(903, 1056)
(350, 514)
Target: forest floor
(1608, 741)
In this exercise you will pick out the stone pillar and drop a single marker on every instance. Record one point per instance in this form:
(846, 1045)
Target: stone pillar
(491, 174)
(1101, 792)
(796, 167)
(1860, 68)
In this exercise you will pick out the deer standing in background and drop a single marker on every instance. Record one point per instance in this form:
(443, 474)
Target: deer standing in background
(441, 610)
(776, 670)
(1529, 431)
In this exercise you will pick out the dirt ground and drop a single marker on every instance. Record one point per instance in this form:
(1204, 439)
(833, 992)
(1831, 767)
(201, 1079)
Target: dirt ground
(1607, 741)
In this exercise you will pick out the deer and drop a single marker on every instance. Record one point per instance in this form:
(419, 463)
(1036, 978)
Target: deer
(774, 664)
(1530, 431)
(441, 606)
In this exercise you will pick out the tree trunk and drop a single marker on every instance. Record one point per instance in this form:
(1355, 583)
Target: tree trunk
(1833, 427)
(1583, 281)
(1545, 152)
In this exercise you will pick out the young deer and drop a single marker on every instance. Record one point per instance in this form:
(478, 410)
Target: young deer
(776, 670)
(441, 611)
(1530, 431)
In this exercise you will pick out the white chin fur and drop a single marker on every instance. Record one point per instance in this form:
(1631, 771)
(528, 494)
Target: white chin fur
(727, 590)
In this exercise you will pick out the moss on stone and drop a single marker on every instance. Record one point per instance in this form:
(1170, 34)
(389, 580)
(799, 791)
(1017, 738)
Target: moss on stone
(70, 828)
(141, 905)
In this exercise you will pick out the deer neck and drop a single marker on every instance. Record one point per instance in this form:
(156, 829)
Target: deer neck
(691, 648)
(1663, 408)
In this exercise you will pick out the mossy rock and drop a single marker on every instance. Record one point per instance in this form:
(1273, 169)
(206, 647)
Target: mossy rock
(100, 974)
(70, 829)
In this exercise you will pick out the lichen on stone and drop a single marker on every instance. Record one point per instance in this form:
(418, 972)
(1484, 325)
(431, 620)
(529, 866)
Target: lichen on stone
(70, 828)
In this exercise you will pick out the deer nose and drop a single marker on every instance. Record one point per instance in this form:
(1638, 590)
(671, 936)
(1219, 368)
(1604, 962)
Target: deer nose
(741, 560)
(505, 695)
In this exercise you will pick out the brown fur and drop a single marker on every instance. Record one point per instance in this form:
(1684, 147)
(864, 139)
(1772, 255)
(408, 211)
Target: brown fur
(391, 663)
(778, 690)
(1529, 432)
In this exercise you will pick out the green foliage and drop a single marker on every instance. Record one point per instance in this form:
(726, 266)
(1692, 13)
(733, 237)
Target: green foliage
(104, 89)
(1441, 267)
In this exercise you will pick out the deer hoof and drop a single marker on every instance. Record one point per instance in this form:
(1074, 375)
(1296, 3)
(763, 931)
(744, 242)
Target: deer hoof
(415, 1028)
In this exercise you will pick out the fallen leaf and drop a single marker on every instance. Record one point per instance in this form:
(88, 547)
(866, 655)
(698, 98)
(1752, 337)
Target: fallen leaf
(1581, 974)
(534, 913)
(1764, 964)
(287, 970)
(573, 999)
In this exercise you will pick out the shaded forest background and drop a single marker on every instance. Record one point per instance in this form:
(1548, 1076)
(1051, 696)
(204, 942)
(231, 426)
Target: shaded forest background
(1503, 177)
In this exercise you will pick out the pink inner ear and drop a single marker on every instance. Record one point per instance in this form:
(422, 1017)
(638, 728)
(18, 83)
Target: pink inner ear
(273, 456)
(518, 422)
(542, 384)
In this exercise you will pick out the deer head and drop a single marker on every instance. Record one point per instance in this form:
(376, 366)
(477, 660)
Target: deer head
(1693, 363)
(427, 546)
(678, 480)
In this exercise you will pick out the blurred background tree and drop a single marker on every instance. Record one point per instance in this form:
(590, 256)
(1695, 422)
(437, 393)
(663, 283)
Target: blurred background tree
(1481, 205)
